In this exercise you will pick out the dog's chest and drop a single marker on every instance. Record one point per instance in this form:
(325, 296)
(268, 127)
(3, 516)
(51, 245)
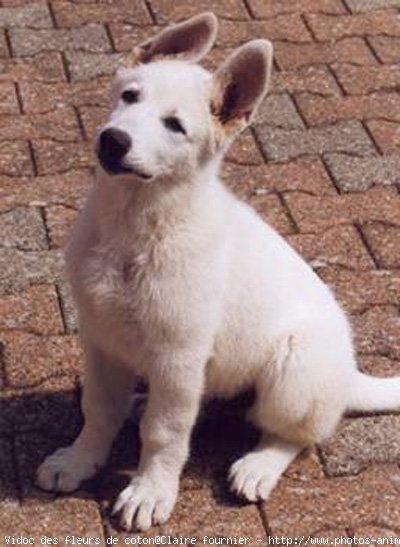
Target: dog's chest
(111, 278)
(122, 294)
(107, 282)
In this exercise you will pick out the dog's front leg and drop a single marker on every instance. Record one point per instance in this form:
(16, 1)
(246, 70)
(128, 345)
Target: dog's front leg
(107, 391)
(176, 386)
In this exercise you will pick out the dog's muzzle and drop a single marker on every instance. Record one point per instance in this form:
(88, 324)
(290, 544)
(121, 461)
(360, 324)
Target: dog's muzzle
(112, 146)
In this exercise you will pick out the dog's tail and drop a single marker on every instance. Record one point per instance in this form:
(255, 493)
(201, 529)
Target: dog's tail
(373, 394)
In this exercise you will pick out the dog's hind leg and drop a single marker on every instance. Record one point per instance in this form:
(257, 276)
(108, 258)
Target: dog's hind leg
(106, 404)
(299, 403)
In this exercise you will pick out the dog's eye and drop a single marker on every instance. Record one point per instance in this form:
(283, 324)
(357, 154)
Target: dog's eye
(174, 124)
(130, 96)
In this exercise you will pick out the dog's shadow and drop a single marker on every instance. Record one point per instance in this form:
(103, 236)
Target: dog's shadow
(34, 425)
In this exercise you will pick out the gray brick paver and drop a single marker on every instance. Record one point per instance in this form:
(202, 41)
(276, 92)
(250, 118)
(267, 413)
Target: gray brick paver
(285, 144)
(91, 38)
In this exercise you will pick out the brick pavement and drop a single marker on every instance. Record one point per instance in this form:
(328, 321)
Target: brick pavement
(322, 164)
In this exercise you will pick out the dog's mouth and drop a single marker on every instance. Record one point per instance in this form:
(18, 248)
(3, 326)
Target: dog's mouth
(117, 168)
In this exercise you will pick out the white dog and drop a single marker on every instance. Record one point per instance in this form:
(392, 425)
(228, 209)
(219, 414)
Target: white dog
(179, 282)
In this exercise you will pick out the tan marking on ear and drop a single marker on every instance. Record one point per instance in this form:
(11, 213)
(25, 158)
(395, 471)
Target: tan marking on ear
(217, 98)
(133, 58)
(224, 129)
(169, 57)
(138, 56)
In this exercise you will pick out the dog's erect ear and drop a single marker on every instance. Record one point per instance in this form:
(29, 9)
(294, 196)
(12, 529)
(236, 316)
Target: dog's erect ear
(188, 41)
(241, 83)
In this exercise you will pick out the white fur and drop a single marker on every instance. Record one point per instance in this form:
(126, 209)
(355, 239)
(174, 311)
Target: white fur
(179, 282)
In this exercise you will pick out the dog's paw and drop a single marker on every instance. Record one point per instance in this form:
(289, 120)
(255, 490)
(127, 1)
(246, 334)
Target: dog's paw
(251, 478)
(65, 469)
(145, 503)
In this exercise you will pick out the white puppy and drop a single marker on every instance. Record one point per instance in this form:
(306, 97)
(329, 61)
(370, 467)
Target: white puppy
(178, 282)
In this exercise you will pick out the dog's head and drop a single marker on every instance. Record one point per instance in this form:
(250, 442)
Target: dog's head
(170, 116)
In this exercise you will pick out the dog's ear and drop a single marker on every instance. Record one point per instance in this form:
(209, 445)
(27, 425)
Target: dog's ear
(188, 41)
(241, 82)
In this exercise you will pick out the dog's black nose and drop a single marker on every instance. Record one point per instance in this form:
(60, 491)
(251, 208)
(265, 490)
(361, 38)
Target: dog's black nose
(113, 145)
(115, 142)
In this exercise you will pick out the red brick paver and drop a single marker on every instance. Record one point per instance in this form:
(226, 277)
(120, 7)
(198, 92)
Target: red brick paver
(321, 164)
